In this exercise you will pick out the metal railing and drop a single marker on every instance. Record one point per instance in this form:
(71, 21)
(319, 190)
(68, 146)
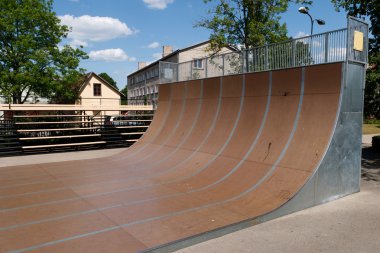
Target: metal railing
(57, 131)
(316, 49)
(112, 104)
(329, 47)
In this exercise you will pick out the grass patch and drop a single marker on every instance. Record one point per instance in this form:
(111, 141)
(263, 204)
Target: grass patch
(371, 128)
(372, 121)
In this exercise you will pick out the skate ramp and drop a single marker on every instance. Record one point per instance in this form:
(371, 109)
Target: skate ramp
(221, 154)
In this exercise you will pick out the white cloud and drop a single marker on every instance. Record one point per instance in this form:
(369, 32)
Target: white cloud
(88, 28)
(158, 4)
(301, 34)
(154, 45)
(157, 56)
(109, 55)
(77, 43)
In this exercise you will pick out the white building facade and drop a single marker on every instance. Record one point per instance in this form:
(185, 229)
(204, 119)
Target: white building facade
(143, 83)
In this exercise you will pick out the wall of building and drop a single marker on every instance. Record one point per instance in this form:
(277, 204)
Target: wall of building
(198, 53)
(144, 84)
(109, 97)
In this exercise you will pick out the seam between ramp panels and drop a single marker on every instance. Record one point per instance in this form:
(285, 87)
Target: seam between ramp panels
(130, 153)
(205, 138)
(342, 85)
(189, 132)
(160, 146)
(215, 156)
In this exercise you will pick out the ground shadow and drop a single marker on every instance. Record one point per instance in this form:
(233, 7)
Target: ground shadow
(370, 164)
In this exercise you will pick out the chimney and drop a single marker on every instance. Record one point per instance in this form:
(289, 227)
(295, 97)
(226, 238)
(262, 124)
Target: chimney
(141, 65)
(166, 50)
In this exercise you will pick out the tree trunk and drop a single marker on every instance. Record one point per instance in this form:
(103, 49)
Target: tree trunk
(17, 98)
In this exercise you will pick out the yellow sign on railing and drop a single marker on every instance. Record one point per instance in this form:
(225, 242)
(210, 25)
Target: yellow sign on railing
(358, 41)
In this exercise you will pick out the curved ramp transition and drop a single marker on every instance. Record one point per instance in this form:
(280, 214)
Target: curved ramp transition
(220, 152)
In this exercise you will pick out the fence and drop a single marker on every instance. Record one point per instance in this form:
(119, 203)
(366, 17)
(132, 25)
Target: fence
(48, 131)
(329, 47)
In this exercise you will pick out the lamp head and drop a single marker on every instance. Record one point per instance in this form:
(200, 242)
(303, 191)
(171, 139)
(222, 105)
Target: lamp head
(320, 22)
(303, 10)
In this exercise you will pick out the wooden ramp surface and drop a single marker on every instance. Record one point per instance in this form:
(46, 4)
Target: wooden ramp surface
(219, 151)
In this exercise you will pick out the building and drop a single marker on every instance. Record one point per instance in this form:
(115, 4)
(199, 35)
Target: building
(143, 83)
(97, 92)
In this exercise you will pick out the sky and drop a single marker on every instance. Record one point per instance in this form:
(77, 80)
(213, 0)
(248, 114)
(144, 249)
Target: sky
(117, 34)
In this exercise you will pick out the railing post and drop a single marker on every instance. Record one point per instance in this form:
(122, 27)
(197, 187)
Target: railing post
(160, 70)
(326, 47)
(177, 74)
(191, 70)
(206, 67)
(266, 63)
(223, 64)
(244, 53)
(293, 53)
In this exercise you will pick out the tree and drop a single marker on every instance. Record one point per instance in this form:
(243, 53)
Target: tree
(30, 59)
(372, 89)
(370, 9)
(250, 23)
(125, 91)
(364, 8)
(109, 79)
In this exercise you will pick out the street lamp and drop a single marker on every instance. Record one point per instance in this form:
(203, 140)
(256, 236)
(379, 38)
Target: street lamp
(305, 10)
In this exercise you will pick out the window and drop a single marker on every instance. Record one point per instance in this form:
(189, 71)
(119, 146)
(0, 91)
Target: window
(198, 63)
(97, 89)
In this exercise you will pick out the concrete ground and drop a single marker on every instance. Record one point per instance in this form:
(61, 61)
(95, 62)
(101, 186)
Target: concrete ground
(57, 157)
(350, 224)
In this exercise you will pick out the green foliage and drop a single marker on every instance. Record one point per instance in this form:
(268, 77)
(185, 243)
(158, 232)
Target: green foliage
(364, 8)
(250, 23)
(372, 89)
(109, 79)
(371, 121)
(125, 91)
(30, 59)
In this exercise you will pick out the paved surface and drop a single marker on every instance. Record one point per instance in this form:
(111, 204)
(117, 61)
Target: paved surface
(367, 138)
(57, 157)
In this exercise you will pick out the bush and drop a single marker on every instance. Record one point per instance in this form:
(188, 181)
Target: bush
(371, 121)
(376, 143)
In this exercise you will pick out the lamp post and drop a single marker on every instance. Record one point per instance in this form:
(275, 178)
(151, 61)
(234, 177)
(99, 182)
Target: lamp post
(305, 10)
